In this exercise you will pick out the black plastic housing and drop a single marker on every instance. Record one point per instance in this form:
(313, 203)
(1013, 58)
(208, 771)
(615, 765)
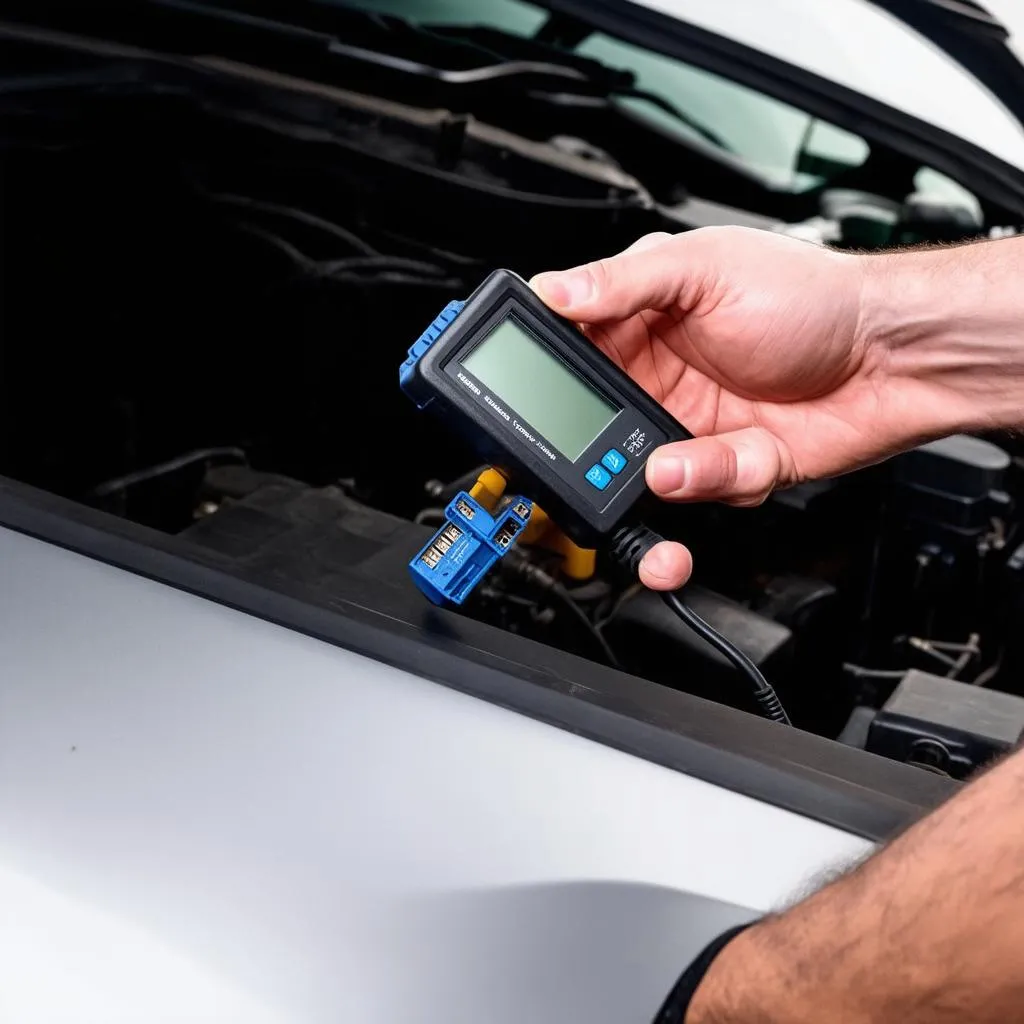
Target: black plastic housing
(947, 725)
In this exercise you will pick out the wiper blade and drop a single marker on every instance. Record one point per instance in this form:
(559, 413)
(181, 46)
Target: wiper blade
(591, 77)
(498, 56)
(603, 81)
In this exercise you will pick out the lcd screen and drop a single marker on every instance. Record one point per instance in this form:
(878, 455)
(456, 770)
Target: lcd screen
(522, 372)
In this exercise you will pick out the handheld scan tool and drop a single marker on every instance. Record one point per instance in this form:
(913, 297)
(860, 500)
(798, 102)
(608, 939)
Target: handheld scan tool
(563, 423)
(537, 399)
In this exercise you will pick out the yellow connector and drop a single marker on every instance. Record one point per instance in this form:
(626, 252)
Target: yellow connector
(577, 563)
(488, 489)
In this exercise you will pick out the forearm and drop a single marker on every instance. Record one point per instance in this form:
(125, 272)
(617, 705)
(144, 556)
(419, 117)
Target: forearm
(952, 320)
(929, 930)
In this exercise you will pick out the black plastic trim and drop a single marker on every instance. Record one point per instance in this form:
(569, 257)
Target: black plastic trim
(814, 777)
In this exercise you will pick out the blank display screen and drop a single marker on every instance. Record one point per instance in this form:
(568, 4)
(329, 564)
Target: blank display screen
(513, 364)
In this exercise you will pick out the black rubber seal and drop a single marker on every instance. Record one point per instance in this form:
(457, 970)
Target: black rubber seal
(809, 775)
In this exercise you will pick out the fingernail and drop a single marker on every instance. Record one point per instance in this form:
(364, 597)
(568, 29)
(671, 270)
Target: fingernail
(667, 473)
(564, 290)
(658, 562)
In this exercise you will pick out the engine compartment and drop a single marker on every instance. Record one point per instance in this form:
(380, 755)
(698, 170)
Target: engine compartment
(210, 274)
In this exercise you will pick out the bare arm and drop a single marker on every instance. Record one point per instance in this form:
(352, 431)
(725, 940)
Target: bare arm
(792, 362)
(951, 324)
(929, 930)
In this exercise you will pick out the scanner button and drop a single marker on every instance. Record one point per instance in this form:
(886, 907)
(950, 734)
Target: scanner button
(614, 460)
(598, 476)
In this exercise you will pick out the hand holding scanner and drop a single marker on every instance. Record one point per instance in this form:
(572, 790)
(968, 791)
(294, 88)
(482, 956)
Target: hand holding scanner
(568, 427)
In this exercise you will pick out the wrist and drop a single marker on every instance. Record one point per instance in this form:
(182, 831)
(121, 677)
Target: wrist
(742, 985)
(772, 974)
(944, 325)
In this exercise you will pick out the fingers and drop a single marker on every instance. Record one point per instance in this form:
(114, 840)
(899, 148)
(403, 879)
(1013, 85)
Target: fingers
(740, 468)
(667, 566)
(644, 276)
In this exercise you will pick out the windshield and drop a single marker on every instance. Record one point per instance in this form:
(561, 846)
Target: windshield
(763, 132)
(782, 143)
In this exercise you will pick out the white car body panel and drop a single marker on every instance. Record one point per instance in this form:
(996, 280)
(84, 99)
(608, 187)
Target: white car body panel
(864, 48)
(207, 817)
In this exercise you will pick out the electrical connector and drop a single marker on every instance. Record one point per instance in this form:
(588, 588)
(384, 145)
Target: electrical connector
(467, 545)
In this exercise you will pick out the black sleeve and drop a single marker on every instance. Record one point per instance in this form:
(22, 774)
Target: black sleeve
(674, 1009)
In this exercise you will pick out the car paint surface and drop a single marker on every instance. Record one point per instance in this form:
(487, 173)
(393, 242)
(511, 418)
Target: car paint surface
(869, 50)
(208, 817)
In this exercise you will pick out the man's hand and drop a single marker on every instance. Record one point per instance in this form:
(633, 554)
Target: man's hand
(787, 360)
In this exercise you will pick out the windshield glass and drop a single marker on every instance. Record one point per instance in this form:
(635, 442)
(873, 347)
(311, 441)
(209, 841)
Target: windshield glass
(786, 145)
(763, 132)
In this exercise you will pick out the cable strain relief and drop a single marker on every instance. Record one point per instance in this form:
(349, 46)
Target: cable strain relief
(629, 544)
(771, 706)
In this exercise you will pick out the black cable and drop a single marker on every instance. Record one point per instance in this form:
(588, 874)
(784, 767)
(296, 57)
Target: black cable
(764, 693)
(295, 255)
(566, 600)
(327, 269)
(628, 547)
(122, 483)
(300, 216)
(518, 565)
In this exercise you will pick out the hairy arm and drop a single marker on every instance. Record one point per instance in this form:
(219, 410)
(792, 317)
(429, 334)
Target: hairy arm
(929, 930)
(950, 324)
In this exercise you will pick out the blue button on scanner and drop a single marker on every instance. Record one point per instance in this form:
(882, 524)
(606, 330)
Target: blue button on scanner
(614, 460)
(598, 476)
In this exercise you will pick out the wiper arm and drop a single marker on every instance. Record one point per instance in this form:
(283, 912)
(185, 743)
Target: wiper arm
(604, 81)
(467, 76)
(608, 83)
(571, 74)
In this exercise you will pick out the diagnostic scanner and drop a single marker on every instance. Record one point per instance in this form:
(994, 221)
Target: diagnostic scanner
(539, 401)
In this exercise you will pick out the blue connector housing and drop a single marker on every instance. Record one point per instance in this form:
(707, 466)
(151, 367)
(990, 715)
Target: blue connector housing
(465, 548)
(422, 343)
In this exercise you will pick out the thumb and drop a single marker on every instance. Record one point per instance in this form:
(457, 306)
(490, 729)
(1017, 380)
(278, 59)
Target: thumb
(647, 275)
(740, 468)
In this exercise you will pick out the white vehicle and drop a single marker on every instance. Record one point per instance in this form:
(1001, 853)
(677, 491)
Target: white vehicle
(247, 773)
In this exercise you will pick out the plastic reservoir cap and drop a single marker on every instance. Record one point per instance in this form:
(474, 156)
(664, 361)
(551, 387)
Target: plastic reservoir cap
(962, 465)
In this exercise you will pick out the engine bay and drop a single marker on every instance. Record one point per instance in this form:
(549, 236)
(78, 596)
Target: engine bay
(212, 270)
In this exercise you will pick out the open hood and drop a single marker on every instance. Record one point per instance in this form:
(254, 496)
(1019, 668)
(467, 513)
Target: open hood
(937, 81)
(949, 63)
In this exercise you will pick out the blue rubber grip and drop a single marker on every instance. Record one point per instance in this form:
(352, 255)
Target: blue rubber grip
(423, 343)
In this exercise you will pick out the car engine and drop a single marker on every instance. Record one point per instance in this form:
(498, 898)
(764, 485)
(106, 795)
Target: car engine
(211, 271)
